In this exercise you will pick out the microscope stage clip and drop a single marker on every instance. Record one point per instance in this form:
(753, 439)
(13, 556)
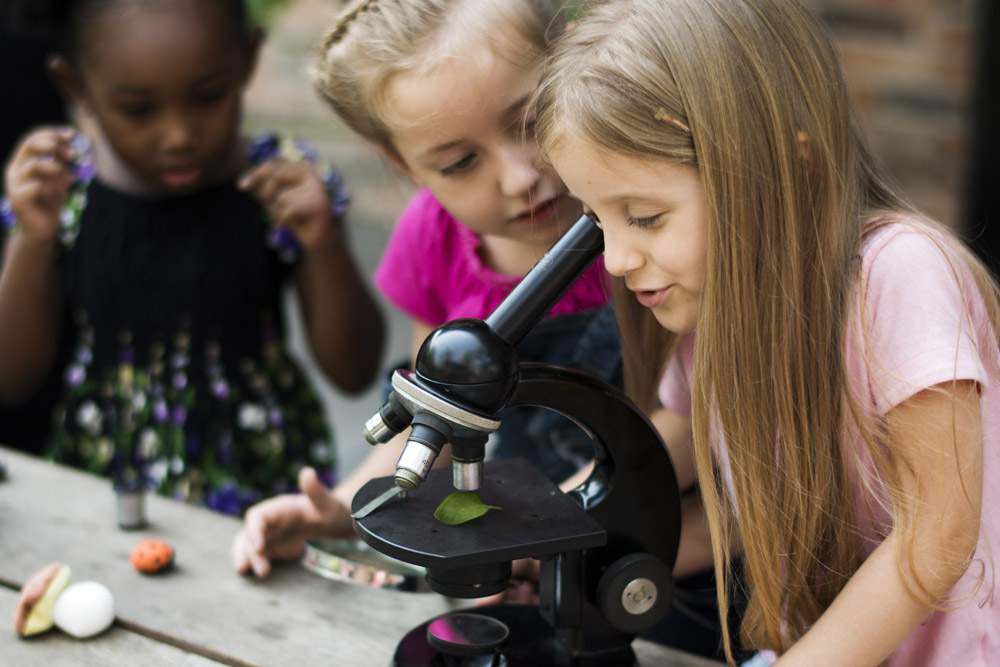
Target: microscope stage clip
(384, 497)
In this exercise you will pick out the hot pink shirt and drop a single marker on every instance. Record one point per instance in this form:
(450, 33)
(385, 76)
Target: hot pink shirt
(922, 332)
(432, 271)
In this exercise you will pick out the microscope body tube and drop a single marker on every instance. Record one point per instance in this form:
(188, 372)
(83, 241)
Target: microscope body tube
(533, 297)
(547, 282)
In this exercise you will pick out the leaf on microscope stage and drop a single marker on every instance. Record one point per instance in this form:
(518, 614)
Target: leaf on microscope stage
(460, 507)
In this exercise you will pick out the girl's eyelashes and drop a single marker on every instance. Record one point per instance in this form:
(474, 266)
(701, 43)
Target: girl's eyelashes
(135, 110)
(210, 98)
(459, 165)
(637, 222)
(643, 222)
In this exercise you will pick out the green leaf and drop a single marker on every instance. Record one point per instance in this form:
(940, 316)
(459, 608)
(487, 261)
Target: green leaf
(460, 507)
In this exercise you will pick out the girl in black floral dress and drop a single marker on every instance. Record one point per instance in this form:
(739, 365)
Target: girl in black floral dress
(149, 270)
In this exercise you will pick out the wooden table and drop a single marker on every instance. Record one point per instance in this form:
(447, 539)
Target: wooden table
(201, 612)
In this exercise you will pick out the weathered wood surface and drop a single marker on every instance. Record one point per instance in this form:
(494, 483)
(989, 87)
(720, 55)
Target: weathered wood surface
(113, 648)
(201, 607)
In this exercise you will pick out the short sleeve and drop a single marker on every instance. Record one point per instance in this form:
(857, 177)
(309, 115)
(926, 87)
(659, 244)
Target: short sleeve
(920, 307)
(405, 273)
(675, 385)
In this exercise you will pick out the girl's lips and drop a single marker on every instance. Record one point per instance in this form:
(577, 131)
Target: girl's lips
(540, 214)
(183, 177)
(651, 298)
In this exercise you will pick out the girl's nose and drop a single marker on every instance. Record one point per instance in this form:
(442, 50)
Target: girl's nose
(621, 256)
(518, 174)
(178, 134)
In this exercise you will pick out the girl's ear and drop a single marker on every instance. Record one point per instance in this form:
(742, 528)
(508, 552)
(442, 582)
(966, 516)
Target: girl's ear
(393, 157)
(805, 148)
(66, 80)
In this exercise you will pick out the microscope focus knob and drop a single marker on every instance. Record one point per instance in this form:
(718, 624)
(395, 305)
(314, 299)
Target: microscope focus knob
(635, 592)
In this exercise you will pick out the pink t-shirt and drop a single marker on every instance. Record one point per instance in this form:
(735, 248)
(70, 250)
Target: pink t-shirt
(432, 271)
(922, 332)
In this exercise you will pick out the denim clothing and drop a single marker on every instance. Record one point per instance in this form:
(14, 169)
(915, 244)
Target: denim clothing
(586, 341)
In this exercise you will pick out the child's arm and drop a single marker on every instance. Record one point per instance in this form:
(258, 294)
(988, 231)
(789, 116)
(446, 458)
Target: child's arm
(277, 528)
(38, 179)
(940, 432)
(343, 324)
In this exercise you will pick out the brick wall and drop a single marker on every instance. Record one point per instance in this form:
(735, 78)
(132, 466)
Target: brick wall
(909, 66)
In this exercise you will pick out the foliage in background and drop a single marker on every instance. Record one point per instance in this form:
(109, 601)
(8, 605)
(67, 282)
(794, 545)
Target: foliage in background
(261, 12)
(573, 11)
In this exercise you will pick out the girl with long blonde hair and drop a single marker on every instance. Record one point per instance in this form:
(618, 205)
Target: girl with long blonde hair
(830, 354)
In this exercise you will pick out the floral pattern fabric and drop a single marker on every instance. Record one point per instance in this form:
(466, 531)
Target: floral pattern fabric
(176, 376)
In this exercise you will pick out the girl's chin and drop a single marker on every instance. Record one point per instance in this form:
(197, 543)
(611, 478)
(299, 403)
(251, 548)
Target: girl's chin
(674, 322)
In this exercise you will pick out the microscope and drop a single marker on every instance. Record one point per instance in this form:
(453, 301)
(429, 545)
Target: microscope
(606, 549)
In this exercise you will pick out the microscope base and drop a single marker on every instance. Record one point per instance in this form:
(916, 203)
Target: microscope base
(532, 643)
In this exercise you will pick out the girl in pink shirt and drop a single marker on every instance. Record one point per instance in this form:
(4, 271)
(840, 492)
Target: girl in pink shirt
(831, 357)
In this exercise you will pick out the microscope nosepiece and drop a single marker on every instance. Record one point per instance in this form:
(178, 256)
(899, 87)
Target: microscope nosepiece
(391, 418)
(467, 475)
(377, 432)
(414, 464)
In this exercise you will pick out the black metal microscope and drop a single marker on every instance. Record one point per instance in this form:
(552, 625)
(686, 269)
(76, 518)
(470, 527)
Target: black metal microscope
(606, 549)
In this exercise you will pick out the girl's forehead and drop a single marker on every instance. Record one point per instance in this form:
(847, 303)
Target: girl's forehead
(174, 35)
(480, 86)
(161, 22)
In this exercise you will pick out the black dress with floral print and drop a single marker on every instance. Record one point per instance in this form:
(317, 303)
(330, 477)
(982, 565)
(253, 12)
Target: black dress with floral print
(176, 374)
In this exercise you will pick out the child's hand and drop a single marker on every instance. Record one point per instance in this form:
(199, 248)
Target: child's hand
(295, 198)
(523, 587)
(277, 528)
(38, 179)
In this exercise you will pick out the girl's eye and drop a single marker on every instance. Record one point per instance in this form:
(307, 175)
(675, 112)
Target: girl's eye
(135, 110)
(459, 165)
(207, 99)
(643, 222)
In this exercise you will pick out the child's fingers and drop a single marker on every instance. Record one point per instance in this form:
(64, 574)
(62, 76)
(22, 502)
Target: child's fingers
(294, 213)
(317, 493)
(518, 592)
(42, 167)
(269, 178)
(241, 561)
(51, 142)
(249, 546)
(259, 563)
(246, 559)
(251, 181)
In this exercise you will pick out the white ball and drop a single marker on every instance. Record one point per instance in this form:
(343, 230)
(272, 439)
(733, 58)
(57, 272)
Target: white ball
(84, 609)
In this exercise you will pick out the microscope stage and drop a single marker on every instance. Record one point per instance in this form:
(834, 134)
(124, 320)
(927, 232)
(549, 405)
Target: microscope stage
(537, 519)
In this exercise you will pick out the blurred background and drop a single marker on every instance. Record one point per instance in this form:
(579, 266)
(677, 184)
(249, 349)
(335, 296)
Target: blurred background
(922, 74)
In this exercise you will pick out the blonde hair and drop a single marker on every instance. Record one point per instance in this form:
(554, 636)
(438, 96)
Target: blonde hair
(373, 41)
(751, 94)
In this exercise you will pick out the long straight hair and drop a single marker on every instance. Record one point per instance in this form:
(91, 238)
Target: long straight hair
(790, 188)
